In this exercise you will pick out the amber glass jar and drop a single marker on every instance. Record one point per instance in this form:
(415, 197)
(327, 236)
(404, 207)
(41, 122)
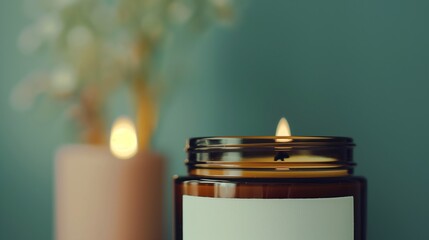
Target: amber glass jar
(295, 188)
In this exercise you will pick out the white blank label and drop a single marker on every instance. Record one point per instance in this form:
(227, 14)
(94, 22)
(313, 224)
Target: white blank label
(207, 218)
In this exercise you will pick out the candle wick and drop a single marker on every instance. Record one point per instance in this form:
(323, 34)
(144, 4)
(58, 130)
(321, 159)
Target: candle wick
(280, 156)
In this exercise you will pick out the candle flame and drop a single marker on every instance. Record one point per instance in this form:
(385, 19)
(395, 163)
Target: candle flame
(123, 138)
(283, 129)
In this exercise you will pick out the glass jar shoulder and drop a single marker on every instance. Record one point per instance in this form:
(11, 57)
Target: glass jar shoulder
(271, 188)
(213, 180)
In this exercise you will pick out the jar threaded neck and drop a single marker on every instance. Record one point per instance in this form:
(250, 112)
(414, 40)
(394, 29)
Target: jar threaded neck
(294, 156)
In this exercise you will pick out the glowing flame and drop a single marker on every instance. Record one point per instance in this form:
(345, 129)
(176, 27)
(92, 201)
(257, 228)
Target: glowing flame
(283, 129)
(123, 139)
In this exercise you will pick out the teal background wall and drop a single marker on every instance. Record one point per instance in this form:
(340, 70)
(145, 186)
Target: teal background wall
(334, 67)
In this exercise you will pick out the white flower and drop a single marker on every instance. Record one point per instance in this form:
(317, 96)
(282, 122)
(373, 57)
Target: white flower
(46, 29)
(180, 12)
(79, 37)
(49, 26)
(24, 95)
(63, 81)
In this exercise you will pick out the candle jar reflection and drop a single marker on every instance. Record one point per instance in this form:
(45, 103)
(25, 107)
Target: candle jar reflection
(266, 187)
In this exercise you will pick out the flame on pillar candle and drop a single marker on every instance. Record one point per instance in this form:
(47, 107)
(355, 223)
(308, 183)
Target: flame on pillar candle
(123, 138)
(283, 129)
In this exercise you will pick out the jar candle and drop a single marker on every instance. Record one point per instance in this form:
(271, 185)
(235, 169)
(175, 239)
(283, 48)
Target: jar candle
(288, 187)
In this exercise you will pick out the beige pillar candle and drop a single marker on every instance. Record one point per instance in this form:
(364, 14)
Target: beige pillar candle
(102, 197)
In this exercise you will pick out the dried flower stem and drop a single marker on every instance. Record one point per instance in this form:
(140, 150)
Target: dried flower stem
(146, 112)
(91, 117)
